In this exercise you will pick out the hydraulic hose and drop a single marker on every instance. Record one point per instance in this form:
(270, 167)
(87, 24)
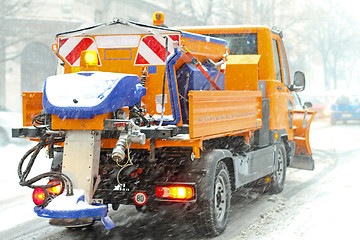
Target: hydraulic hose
(45, 140)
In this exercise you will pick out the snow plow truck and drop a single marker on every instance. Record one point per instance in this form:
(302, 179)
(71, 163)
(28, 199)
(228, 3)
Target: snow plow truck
(152, 116)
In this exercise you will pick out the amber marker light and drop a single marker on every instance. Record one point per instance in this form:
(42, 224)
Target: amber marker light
(57, 189)
(276, 135)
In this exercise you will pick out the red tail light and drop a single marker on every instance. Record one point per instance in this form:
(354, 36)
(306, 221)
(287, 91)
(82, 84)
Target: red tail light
(39, 196)
(177, 192)
(57, 189)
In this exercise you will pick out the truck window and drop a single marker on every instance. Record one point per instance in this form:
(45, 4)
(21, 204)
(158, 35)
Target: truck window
(277, 60)
(284, 65)
(240, 43)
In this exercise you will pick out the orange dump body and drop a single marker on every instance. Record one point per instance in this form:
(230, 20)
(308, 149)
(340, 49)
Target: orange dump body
(234, 110)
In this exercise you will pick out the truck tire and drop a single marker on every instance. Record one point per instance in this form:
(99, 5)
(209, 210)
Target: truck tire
(277, 182)
(212, 215)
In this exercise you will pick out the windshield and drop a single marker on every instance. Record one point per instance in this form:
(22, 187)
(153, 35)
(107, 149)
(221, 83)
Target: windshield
(240, 43)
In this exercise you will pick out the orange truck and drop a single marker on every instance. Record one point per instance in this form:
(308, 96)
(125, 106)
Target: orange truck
(156, 117)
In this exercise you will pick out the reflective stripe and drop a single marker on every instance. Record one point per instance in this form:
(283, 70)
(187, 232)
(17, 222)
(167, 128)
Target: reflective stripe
(75, 54)
(151, 49)
(71, 48)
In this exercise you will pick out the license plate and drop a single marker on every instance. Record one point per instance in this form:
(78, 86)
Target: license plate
(346, 115)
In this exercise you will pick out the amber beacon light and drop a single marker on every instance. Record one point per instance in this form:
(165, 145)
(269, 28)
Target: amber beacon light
(89, 59)
(158, 19)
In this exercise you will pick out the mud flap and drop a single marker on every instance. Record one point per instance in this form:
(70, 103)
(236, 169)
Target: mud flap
(303, 162)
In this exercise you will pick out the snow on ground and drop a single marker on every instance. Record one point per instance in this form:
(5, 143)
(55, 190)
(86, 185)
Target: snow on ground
(15, 199)
(326, 210)
(328, 207)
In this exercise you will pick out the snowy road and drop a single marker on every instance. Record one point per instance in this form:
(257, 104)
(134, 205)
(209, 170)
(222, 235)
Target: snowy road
(320, 204)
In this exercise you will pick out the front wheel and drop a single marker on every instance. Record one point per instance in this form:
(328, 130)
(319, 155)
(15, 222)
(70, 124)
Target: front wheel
(277, 183)
(212, 215)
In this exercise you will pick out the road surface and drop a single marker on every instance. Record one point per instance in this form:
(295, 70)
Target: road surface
(320, 204)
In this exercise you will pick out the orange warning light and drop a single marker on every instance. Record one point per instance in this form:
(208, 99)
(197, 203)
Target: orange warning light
(276, 135)
(158, 19)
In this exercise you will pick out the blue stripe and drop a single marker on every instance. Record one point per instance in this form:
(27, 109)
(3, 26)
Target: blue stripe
(203, 38)
(173, 92)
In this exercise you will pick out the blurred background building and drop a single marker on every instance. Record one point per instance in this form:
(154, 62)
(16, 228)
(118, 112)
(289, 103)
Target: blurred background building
(321, 35)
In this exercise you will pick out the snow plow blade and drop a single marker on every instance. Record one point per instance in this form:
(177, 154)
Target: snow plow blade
(303, 162)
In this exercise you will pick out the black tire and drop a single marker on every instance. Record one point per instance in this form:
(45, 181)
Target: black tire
(212, 215)
(277, 182)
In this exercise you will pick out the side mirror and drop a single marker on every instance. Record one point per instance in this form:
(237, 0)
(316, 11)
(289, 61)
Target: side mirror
(299, 82)
(307, 105)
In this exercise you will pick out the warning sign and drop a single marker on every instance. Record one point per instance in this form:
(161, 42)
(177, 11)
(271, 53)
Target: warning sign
(71, 48)
(152, 49)
(140, 198)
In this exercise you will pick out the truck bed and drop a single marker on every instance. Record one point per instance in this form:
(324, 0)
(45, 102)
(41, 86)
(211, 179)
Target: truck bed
(223, 112)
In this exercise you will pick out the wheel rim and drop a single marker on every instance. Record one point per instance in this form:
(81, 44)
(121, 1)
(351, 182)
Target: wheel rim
(280, 168)
(220, 198)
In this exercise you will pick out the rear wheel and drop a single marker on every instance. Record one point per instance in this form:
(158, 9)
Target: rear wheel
(212, 215)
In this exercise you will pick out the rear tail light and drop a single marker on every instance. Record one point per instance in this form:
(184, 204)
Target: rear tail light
(39, 196)
(42, 195)
(57, 189)
(175, 192)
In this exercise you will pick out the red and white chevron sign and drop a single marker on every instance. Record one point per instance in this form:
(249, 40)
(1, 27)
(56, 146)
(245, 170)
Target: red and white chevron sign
(71, 48)
(152, 49)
